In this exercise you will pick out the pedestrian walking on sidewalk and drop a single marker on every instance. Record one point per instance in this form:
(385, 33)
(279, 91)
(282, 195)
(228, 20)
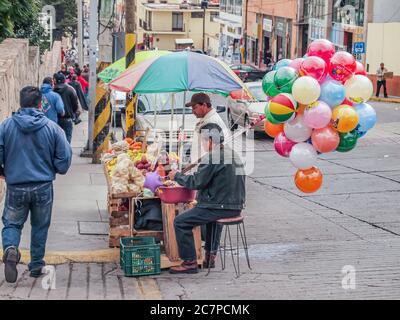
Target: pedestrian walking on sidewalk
(381, 80)
(33, 149)
(52, 104)
(78, 89)
(71, 107)
(221, 193)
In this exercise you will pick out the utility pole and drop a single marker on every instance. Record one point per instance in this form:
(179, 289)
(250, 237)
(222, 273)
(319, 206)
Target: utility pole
(245, 30)
(93, 19)
(130, 47)
(80, 32)
(204, 5)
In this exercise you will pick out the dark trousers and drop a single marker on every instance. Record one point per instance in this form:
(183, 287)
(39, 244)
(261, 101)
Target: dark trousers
(378, 88)
(185, 222)
(67, 125)
(20, 200)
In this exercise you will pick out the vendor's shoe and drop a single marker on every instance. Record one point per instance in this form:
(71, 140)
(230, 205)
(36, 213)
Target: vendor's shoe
(36, 273)
(185, 267)
(209, 261)
(11, 258)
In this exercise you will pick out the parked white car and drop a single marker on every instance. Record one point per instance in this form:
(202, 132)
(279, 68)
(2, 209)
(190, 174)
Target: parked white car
(242, 110)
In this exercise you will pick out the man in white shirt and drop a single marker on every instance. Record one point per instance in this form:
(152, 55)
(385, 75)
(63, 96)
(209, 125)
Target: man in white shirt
(381, 80)
(203, 110)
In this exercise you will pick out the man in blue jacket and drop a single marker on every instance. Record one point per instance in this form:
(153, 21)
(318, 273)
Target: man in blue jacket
(52, 104)
(33, 150)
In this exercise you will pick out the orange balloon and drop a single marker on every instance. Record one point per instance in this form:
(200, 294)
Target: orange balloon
(345, 118)
(308, 181)
(272, 129)
(301, 108)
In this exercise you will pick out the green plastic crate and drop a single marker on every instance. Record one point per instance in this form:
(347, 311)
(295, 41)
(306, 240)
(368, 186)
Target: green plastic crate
(140, 256)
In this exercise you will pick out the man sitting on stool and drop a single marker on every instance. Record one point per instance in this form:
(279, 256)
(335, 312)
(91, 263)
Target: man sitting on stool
(220, 181)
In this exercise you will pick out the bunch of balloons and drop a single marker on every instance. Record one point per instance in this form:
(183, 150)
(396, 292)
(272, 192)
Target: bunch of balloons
(317, 104)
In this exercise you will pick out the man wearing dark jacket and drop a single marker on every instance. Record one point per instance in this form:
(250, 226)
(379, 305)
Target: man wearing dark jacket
(220, 181)
(33, 149)
(70, 99)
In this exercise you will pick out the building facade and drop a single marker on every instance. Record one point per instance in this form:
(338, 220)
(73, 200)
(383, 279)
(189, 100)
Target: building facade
(162, 22)
(230, 20)
(271, 28)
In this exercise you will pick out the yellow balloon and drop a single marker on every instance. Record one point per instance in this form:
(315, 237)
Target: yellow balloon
(306, 90)
(345, 118)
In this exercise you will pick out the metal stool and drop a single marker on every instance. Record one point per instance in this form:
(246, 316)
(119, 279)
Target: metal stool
(227, 222)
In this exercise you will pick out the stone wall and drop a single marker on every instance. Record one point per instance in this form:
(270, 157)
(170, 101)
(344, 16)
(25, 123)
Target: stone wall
(21, 65)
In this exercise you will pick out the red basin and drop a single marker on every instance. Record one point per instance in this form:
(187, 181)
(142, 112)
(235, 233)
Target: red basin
(176, 194)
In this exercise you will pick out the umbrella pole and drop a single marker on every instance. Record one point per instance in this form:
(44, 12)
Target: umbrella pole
(182, 133)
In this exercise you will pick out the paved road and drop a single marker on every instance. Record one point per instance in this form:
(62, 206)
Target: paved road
(301, 246)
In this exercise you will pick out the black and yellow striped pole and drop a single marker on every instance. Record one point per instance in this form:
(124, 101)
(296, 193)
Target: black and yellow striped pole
(102, 117)
(130, 47)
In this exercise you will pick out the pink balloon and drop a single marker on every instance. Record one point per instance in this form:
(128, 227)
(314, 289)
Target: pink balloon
(283, 145)
(296, 63)
(325, 140)
(314, 67)
(360, 69)
(317, 115)
(322, 48)
(343, 65)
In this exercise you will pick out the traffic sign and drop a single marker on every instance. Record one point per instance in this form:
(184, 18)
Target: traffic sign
(359, 47)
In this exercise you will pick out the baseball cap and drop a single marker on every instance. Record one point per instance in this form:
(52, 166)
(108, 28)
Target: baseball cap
(59, 77)
(199, 98)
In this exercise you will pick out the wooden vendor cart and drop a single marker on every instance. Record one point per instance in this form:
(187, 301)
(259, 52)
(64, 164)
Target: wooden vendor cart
(121, 209)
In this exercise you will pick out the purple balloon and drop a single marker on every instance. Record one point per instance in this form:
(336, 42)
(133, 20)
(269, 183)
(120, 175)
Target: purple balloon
(317, 115)
(152, 181)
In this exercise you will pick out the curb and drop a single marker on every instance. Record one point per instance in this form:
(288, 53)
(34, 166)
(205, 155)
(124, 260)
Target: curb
(62, 257)
(389, 100)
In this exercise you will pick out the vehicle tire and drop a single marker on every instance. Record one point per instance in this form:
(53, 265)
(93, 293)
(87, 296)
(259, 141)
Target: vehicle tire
(232, 125)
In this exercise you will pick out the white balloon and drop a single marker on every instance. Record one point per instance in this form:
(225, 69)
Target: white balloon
(303, 156)
(359, 89)
(306, 90)
(296, 130)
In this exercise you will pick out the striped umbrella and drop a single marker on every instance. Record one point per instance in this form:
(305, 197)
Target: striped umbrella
(115, 69)
(179, 71)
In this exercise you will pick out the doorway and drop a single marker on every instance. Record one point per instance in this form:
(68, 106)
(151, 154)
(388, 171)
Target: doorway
(348, 41)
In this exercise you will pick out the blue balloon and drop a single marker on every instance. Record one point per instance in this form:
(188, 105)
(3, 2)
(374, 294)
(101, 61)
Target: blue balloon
(333, 93)
(366, 117)
(282, 63)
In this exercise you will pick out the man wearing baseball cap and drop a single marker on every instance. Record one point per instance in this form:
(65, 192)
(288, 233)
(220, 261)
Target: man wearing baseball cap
(203, 110)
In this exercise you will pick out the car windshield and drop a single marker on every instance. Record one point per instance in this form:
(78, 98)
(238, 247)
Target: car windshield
(258, 93)
(161, 103)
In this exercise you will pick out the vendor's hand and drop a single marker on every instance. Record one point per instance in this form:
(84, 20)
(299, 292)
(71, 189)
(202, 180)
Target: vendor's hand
(172, 174)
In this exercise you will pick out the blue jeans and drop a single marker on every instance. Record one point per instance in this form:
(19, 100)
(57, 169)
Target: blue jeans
(67, 125)
(38, 199)
(186, 221)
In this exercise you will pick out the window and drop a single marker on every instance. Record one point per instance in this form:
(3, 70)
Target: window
(213, 15)
(177, 21)
(222, 5)
(349, 12)
(197, 15)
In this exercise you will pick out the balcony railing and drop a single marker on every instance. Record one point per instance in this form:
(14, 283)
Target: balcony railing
(147, 27)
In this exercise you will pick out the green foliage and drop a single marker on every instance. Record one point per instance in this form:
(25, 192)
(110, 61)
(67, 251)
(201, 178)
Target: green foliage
(69, 23)
(19, 18)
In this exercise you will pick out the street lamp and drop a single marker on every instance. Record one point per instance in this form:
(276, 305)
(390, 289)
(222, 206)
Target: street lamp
(204, 6)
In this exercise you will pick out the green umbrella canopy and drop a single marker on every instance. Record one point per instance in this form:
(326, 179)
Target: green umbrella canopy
(115, 69)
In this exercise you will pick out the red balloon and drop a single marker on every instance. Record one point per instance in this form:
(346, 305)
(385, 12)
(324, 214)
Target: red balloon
(283, 145)
(314, 67)
(322, 48)
(348, 102)
(296, 63)
(325, 140)
(360, 69)
(343, 65)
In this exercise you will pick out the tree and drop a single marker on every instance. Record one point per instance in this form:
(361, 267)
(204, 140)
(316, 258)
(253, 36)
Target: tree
(68, 11)
(20, 19)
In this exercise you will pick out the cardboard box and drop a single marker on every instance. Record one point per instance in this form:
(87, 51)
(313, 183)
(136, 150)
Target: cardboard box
(388, 75)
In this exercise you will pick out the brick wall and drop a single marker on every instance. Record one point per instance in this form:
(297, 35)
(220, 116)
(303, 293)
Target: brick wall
(21, 65)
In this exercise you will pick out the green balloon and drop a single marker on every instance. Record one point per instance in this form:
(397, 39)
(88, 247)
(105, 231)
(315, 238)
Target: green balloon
(348, 141)
(269, 116)
(268, 84)
(284, 79)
